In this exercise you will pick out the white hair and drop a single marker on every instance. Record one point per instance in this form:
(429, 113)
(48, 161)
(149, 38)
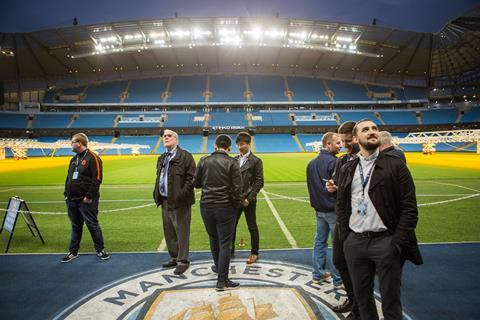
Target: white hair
(173, 133)
(385, 137)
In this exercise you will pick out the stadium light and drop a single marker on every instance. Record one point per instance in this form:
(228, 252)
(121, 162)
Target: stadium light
(344, 39)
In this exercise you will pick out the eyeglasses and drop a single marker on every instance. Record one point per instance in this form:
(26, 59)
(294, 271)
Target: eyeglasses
(75, 141)
(167, 135)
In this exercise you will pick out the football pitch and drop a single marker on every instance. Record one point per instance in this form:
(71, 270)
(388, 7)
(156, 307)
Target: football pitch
(447, 187)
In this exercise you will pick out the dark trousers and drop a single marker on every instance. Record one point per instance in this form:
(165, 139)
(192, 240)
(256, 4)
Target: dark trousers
(251, 217)
(176, 230)
(80, 212)
(340, 263)
(369, 256)
(220, 225)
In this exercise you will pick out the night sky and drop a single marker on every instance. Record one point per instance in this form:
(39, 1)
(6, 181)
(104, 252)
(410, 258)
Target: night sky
(415, 15)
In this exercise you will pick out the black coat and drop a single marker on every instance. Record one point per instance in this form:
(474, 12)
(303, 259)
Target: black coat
(392, 192)
(252, 177)
(218, 175)
(397, 152)
(181, 172)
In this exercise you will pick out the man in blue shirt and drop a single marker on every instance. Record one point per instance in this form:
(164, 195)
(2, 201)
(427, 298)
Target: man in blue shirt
(320, 170)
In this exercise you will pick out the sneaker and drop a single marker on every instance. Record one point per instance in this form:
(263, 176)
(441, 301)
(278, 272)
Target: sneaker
(325, 277)
(103, 255)
(226, 285)
(69, 257)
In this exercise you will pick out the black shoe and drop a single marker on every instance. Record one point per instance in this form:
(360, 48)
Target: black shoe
(181, 268)
(103, 255)
(214, 268)
(346, 306)
(227, 285)
(169, 264)
(69, 257)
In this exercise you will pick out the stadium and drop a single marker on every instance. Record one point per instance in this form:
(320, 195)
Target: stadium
(286, 82)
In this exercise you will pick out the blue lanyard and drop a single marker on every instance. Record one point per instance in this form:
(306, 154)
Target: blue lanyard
(362, 178)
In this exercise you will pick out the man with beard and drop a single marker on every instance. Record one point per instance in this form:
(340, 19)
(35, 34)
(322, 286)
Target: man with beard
(377, 216)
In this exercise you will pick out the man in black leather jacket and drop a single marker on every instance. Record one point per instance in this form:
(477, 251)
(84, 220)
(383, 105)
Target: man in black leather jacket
(251, 170)
(219, 177)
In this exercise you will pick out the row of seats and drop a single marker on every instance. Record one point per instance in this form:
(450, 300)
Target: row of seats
(188, 89)
(237, 118)
(264, 143)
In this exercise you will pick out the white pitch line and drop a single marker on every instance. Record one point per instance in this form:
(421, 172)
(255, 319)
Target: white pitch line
(265, 193)
(282, 225)
(447, 201)
(456, 185)
(162, 246)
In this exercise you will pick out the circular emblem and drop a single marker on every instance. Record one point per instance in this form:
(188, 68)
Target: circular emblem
(84, 162)
(269, 290)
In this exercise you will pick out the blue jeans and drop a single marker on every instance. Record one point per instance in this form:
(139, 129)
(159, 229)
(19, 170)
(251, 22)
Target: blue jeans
(80, 213)
(325, 225)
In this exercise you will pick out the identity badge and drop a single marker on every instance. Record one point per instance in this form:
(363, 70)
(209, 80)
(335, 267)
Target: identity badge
(75, 175)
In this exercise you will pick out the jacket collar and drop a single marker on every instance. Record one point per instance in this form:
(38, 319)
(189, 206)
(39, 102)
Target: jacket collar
(377, 174)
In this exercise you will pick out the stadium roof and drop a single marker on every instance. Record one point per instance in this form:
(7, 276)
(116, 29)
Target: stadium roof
(148, 48)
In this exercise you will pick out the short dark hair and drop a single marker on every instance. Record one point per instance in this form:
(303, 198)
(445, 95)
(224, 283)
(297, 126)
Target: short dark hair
(354, 131)
(223, 141)
(346, 127)
(243, 137)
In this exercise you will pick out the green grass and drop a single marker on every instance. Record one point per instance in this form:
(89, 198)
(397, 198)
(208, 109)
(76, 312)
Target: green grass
(141, 229)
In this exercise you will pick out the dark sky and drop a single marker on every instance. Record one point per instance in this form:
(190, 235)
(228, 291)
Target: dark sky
(416, 15)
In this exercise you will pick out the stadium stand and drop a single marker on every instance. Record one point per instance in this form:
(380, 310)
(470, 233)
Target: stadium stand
(51, 121)
(357, 115)
(399, 117)
(413, 93)
(439, 116)
(227, 88)
(275, 143)
(13, 120)
(473, 115)
(307, 89)
(188, 89)
(179, 119)
(235, 118)
(147, 90)
(347, 91)
(105, 93)
(267, 88)
(94, 120)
